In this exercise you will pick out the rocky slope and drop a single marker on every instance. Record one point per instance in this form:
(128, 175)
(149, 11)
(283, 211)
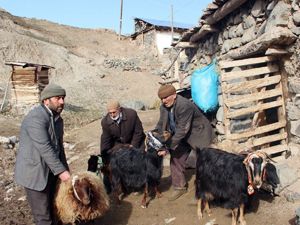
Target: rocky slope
(92, 64)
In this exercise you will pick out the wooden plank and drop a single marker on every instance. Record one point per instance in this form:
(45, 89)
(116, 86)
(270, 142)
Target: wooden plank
(269, 139)
(23, 78)
(276, 51)
(20, 69)
(275, 149)
(257, 131)
(223, 11)
(249, 72)
(186, 45)
(24, 83)
(246, 62)
(204, 30)
(33, 87)
(248, 85)
(25, 91)
(225, 110)
(24, 73)
(240, 99)
(252, 109)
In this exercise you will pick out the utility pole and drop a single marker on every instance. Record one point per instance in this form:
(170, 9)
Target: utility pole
(172, 28)
(121, 14)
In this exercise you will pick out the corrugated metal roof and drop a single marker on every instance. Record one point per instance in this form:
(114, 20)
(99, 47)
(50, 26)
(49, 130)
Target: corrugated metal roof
(162, 23)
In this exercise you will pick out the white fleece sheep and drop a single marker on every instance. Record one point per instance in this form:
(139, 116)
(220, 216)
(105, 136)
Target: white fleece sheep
(70, 205)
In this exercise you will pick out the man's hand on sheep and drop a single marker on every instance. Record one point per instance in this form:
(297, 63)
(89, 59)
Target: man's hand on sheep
(64, 176)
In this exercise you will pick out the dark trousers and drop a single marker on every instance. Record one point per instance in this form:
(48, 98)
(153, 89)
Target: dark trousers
(41, 202)
(177, 165)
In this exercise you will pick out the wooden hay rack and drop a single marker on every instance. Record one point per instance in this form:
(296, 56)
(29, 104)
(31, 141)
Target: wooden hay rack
(252, 91)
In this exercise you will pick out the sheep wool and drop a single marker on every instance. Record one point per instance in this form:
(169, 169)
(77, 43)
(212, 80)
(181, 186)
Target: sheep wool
(68, 209)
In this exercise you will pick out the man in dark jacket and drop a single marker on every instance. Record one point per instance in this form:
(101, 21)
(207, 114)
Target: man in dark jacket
(41, 158)
(120, 126)
(189, 128)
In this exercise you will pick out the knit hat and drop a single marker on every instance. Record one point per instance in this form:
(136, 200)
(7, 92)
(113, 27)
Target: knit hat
(113, 104)
(52, 90)
(166, 90)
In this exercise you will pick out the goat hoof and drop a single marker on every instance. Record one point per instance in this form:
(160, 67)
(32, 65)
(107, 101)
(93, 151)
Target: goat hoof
(144, 206)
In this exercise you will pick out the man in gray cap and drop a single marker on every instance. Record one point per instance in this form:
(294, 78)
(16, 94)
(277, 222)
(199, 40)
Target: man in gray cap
(41, 159)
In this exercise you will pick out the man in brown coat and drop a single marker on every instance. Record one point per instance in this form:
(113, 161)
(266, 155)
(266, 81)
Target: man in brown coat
(120, 126)
(189, 128)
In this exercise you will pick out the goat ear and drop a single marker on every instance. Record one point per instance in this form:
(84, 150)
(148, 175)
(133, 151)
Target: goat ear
(271, 174)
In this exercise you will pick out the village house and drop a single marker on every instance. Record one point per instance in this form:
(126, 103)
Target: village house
(257, 48)
(157, 34)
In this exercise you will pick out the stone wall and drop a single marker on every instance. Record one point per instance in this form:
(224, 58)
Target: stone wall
(249, 31)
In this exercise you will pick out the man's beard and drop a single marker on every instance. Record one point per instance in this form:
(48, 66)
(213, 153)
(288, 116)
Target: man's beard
(116, 117)
(56, 109)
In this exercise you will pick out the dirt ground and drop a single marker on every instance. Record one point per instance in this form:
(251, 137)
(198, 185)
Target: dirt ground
(85, 141)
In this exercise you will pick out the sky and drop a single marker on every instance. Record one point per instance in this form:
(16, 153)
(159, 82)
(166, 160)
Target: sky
(106, 13)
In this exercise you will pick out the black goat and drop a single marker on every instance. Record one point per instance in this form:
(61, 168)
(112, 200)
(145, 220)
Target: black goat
(135, 170)
(230, 179)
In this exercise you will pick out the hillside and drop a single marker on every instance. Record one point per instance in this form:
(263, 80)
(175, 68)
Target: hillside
(92, 64)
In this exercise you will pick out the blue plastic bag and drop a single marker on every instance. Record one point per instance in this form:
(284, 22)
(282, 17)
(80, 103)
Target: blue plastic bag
(204, 87)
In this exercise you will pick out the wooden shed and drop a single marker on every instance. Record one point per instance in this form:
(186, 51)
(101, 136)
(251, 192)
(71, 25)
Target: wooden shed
(27, 82)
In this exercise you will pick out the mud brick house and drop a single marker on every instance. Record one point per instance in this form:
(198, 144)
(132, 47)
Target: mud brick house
(257, 48)
(157, 34)
(27, 81)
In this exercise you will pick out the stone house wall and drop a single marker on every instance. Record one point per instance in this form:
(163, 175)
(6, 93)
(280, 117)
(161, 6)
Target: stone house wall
(249, 31)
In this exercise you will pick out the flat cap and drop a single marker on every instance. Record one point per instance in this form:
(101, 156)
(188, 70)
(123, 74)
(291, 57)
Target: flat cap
(52, 90)
(112, 104)
(166, 90)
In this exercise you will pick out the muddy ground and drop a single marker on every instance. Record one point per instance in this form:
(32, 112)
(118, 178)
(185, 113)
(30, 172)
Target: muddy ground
(82, 142)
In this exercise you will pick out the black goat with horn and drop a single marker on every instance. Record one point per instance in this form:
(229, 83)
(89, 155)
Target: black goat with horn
(230, 179)
(136, 170)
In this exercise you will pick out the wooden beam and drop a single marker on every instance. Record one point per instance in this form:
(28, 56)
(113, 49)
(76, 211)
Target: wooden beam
(240, 99)
(204, 30)
(227, 8)
(20, 69)
(276, 52)
(248, 85)
(186, 45)
(246, 62)
(250, 72)
(276, 36)
(256, 108)
(257, 131)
